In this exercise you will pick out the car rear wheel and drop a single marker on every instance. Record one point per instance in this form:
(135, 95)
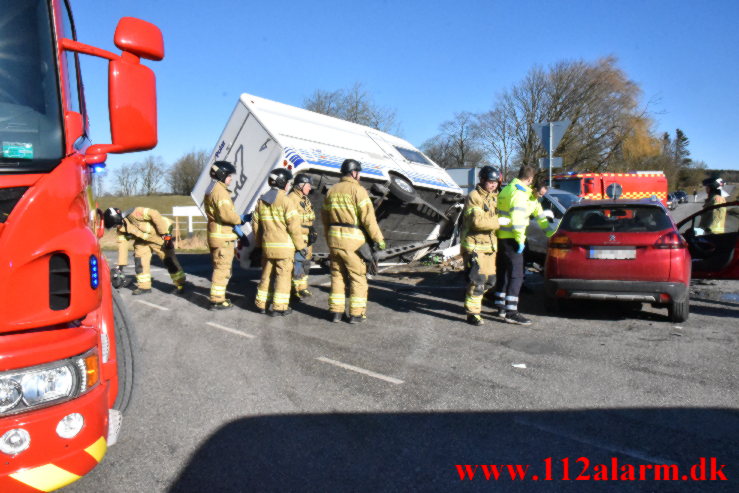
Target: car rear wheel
(678, 311)
(125, 343)
(402, 189)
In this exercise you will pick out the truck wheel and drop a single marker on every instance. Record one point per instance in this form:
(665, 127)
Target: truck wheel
(678, 311)
(125, 342)
(402, 189)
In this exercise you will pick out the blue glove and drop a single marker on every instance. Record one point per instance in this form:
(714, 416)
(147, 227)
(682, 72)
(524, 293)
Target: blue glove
(301, 255)
(521, 246)
(246, 218)
(239, 233)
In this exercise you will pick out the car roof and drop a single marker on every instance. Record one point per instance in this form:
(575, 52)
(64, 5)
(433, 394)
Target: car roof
(617, 203)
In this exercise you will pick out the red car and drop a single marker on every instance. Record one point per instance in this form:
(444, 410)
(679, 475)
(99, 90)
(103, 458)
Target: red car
(715, 256)
(621, 250)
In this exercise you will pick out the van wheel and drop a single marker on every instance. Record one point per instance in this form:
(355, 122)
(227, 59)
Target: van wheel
(125, 343)
(402, 189)
(678, 311)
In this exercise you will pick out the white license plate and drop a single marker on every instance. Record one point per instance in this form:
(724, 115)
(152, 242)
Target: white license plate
(612, 253)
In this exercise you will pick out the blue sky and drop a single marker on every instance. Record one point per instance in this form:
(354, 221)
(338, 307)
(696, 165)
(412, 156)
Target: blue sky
(427, 60)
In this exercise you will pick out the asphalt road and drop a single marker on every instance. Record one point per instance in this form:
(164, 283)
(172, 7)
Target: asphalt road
(238, 401)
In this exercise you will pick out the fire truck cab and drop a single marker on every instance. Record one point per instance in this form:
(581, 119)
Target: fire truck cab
(66, 349)
(593, 186)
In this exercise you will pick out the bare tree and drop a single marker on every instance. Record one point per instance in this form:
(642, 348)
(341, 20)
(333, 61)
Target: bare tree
(354, 105)
(185, 172)
(456, 146)
(152, 174)
(496, 131)
(127, 180)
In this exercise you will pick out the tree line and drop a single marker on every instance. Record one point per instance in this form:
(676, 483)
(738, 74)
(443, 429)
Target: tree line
(611, 130)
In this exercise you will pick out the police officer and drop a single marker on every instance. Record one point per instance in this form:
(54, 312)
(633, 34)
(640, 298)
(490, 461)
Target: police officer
(222, 217)
(349, 221)
(277, 226)
(302, 188)
(517, 203)
(714, 221)
(151, 232)
(478, 240)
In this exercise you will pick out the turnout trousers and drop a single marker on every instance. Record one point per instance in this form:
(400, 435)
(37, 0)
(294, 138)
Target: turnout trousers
(348, 267)
(275, 284)
(479, 280)
(142, 253)
(510, 275)
(222, 258)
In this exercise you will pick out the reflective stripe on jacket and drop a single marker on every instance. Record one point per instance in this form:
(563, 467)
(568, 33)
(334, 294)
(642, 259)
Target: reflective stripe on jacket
(478, 224)
(347, 214)
(219, 209)
(145, 224)
(277, 227)
(517, 203)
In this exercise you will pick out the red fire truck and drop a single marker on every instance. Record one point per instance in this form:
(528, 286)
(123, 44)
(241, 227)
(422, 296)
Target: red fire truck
(593, 186)
(66, 360)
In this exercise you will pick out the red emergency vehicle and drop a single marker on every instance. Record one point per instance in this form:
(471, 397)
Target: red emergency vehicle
(593, 186)
(66, 360)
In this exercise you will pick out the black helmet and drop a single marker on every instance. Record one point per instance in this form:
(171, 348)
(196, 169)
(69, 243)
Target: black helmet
(279, 178)
(112, 217)
(715, 183)
(302, 178)
(220, 170)
(350, 165)
(488, 173)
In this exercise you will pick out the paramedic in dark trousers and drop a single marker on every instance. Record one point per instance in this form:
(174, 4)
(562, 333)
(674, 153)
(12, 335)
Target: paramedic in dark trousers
(222, 217)
(302, 188)
(517, 203)
(349, 222)
(478, 240)
(152, 233)
(277, 228)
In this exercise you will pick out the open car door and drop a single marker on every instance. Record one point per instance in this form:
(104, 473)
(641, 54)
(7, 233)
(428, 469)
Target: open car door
(715, 256)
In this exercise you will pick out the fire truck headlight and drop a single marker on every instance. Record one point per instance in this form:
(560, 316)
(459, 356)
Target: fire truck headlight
(11, 394)
(47, 385)
(15, 441)
(70, 425)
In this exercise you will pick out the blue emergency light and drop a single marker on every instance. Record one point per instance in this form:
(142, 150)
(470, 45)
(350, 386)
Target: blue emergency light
(94, 274)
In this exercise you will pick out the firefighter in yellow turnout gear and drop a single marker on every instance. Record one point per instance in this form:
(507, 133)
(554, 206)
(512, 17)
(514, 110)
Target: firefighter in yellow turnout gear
(478, 240)
(222, 218)
(277, 227)
(152, 233)
(714, 221)
(348, 214)
(302, 188)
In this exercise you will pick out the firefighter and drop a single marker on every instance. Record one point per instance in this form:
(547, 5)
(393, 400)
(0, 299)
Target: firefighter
(349, 221)
(302, 188)
(222, 218)
(517, 203)
(277, 226)
(151, 232)
(713, 221)
(478, 240)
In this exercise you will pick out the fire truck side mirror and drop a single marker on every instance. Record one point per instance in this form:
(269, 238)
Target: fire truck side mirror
(132, 100)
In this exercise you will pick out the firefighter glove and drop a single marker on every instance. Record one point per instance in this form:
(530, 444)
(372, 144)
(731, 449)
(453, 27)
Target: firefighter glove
(380, 245)
(520, 247)
(246, 218)
(504, 221)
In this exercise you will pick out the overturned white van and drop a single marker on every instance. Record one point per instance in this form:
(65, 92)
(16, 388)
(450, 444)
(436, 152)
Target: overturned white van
(416, 201)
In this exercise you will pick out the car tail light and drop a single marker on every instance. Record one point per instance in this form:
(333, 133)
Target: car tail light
(560, 242)
(664, 298)
(671, 241)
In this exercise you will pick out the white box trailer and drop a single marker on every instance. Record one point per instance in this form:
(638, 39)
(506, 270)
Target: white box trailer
(416, 201)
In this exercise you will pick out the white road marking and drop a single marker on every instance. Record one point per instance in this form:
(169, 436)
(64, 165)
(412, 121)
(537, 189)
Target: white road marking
(603, 446)
(153, 305)
(228, 329)
(360, 370)
(156, 269)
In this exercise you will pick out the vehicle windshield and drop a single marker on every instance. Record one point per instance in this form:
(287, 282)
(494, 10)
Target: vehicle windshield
(565, 199)
(619, 219)
(30, 122)
(568, 185)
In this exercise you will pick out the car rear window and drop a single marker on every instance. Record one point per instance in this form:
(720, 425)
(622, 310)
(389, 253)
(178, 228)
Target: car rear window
(626, 219)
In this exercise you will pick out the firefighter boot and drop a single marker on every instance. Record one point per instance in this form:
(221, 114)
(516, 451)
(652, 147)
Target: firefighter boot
(474, 319)
(337, 316)
(221, 305)
(357, 319)
(139, 291)
(178, 289)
